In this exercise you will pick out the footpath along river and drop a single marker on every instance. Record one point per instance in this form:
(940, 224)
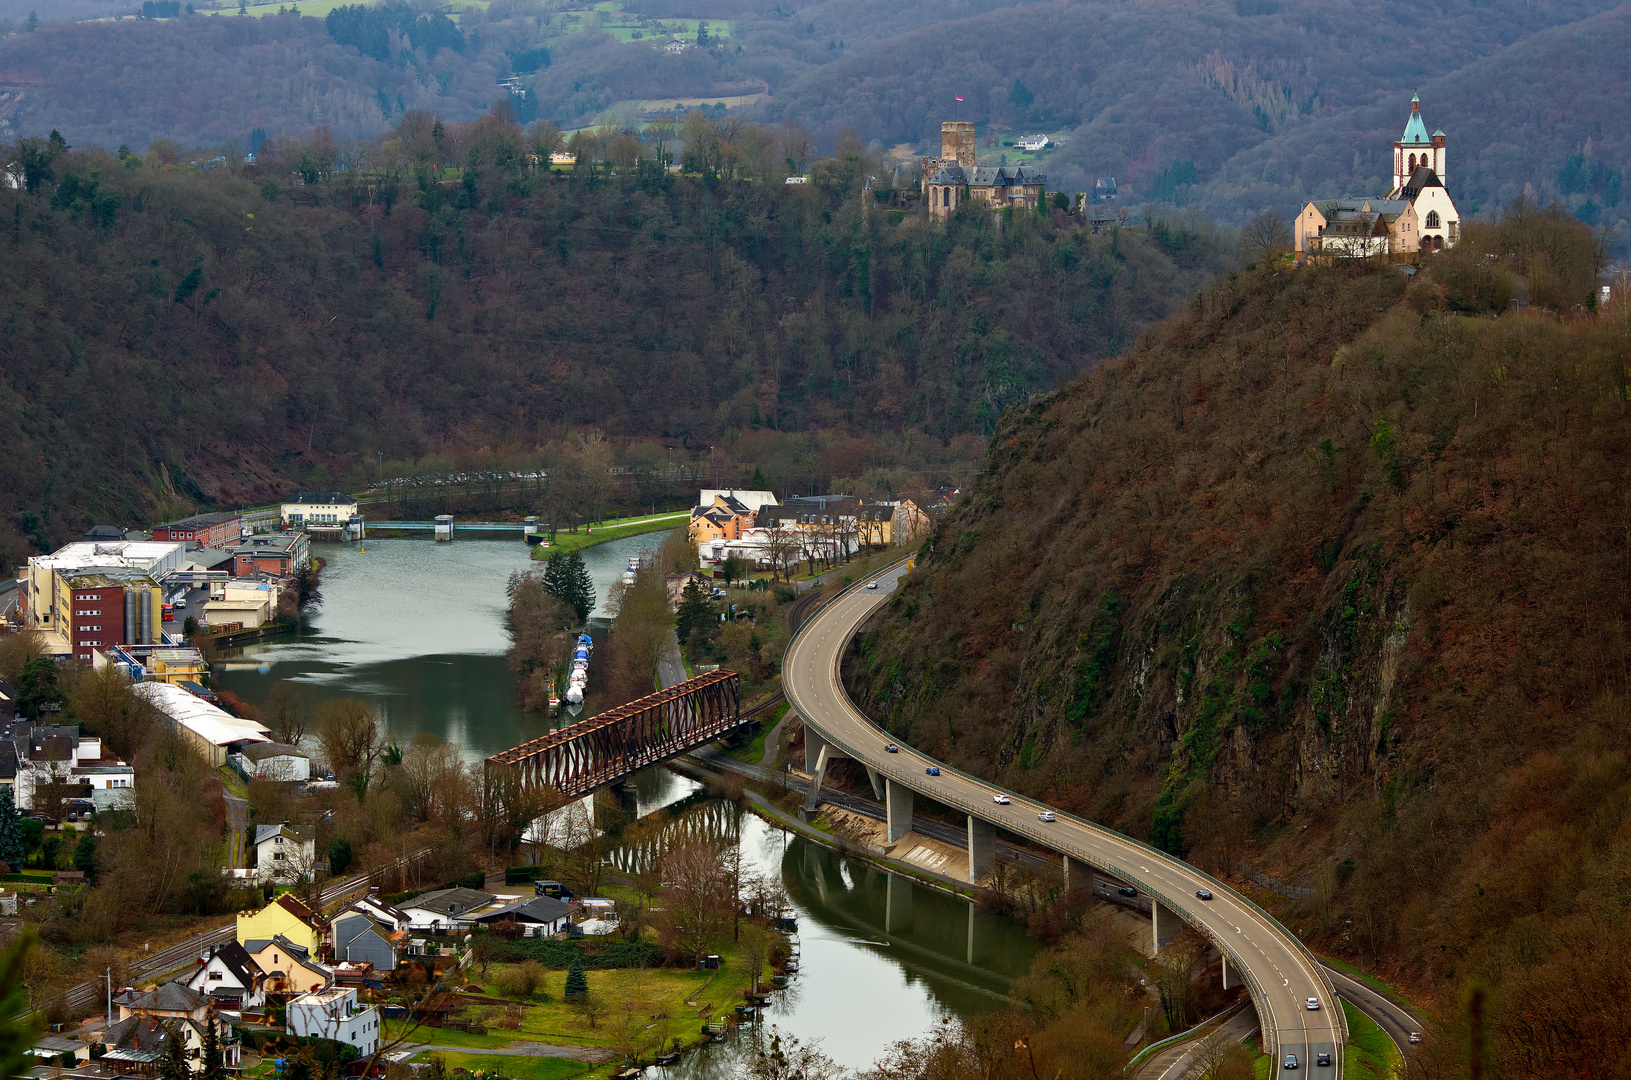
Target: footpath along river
(416, 628)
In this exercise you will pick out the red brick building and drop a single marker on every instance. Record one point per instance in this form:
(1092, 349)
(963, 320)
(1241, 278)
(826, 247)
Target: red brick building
(222, 531)
(96, 613)
(280, 554)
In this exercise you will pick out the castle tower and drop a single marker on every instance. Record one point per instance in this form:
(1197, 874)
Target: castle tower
(1416, 148)
(957, 145)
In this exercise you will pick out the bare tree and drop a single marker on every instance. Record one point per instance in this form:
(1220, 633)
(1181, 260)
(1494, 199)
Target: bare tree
(781, 548)
(348, 732)
(697, 900)
(287, 712)
(1264, 238)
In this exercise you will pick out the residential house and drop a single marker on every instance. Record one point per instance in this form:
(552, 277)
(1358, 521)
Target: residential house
(1104, 189)
(284, 853)
(287, 917)
(50, 1049)
(289, 968)
(336, 1013)
(752, 500)
(281, 555)
(278, 762)
(137, 1041)
(358, 938)
(537, 916)
(371, 905)
(445, 910)
(8, 702)
(319, 511)
(167, 1001)
(725, 514)
(211, 731)
(249, 602)
(220, 531)
(1031, 143)
(230, 977)
(35, 755)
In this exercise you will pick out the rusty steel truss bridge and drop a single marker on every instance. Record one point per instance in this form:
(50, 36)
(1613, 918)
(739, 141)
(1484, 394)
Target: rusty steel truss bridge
(604, 749)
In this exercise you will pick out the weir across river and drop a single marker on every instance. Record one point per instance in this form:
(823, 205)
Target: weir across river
(604, 749)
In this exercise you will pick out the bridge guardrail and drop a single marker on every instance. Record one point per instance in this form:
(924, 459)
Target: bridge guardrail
(1270, 1034)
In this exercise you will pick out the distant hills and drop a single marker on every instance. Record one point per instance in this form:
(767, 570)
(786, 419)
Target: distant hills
(1259, 102)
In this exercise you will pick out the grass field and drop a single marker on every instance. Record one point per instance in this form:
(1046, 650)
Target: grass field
(565, 541)
(522, 1068)
(1370, 1054)
(1370, 979)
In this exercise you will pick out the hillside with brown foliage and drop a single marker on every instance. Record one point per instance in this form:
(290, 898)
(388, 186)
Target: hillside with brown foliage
(1327, 577)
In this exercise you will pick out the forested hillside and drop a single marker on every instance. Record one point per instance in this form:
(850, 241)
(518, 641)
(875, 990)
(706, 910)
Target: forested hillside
(173, 339)
(1236, 106)
(1327, 577)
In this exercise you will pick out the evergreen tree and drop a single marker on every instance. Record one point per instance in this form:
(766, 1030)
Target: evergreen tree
(577, 983)
(558, 580)
(339, 856)
(38, 686)
(23, 1023)
(583, 587)
(758, 481)
(695, 610)
(174, 1065)
(85, 856)
(11, 834)
(211, 1062)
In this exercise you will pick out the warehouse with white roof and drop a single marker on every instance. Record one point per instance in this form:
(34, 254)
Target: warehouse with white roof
(212, 731)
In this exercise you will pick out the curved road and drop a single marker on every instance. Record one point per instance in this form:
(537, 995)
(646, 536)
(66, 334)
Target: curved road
(1281, 973)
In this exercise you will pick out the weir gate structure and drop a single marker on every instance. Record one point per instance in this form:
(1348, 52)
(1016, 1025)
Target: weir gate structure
(611, 746)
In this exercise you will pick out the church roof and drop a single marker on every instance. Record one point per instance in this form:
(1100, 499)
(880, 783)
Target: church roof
(1424, 177)
(1414, 130)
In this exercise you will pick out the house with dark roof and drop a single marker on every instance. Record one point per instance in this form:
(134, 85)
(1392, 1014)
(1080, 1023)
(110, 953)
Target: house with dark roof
(286, 916)
(537, 916)
(389, 914)
(358, 937)
(284, 853)
(999, 186)
(167, 1001)
(230, 977)
(446, 909)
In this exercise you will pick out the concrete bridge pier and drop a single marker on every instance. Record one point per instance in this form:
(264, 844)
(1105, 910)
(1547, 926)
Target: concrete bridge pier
(876, 781)
(897, 809)
(897, 908)
(982, 848)
(1223, 963)
(1078, 875)
(818, 754)
(1164, 925)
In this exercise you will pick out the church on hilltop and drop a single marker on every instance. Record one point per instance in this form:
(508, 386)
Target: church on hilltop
(1416, 215)
(955, 177)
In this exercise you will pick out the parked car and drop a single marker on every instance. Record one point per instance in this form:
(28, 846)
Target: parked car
(1206, 894)
(1313, 1004)
(890, 748)
(933, 770)
(1291, 1061)
(1001, 800)
(1127, 890)
(1046, 815)
(1322, 1059)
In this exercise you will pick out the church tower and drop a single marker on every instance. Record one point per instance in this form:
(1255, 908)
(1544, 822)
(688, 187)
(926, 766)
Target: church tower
(1416, 148)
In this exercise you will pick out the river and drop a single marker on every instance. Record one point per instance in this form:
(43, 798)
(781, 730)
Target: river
(416, 628)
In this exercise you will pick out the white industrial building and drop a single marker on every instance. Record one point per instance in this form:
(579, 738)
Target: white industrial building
(212, 731)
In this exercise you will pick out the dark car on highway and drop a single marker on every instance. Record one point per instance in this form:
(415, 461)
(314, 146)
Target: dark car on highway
(1127, 890)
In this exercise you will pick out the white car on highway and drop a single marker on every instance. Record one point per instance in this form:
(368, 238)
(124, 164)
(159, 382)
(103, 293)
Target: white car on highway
(1001, 800)
(1313, 1004)
(1046, 815)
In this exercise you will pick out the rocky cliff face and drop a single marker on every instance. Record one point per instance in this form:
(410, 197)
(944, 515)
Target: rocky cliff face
(1315, 578)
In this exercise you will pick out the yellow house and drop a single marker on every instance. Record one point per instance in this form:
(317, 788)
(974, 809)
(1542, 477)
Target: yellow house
(285, 917)
(289, 968)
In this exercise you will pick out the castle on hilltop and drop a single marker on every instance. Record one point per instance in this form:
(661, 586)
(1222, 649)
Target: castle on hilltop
(956, 177)
(1416, 215)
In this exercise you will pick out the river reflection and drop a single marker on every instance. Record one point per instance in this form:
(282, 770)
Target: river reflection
(417, 629)
(881, 959)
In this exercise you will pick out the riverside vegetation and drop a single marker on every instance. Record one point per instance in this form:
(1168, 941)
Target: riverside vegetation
(244, 330)
(1328, 576)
